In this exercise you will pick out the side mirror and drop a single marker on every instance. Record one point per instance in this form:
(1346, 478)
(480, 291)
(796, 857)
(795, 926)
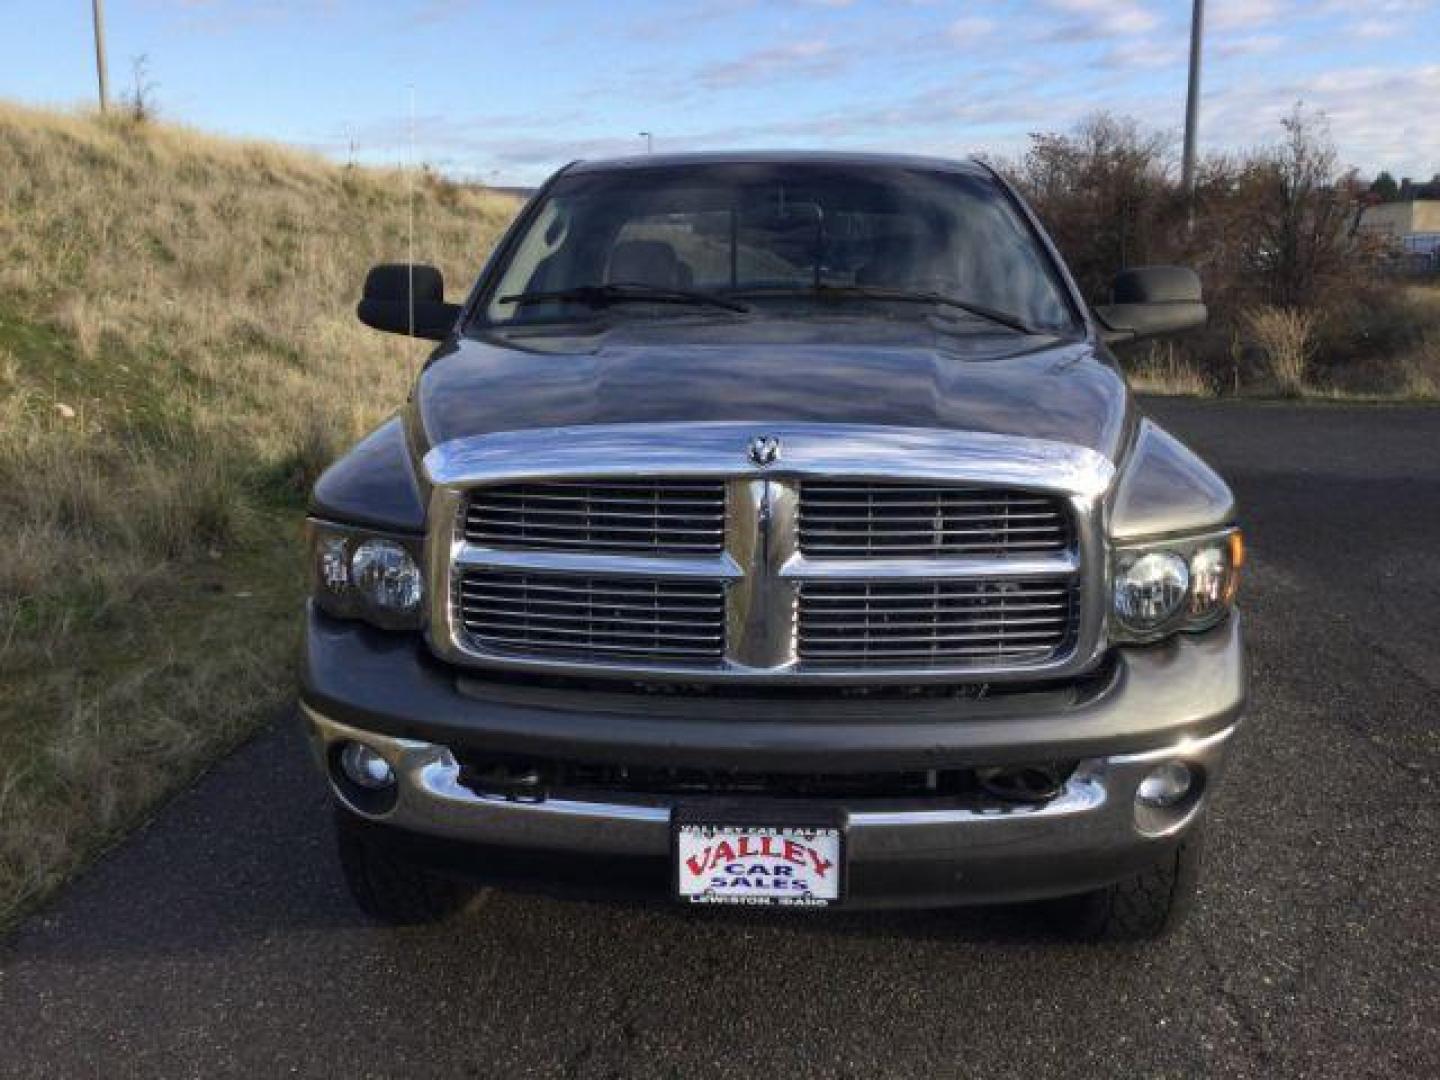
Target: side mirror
(1151, 300)
(386, 303)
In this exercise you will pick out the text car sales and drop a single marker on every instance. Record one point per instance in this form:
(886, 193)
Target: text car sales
(764, 864)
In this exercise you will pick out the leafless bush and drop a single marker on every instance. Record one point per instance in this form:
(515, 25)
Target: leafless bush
(1274, 228)
(1105, 192)
(1303, 213)
(139, 101)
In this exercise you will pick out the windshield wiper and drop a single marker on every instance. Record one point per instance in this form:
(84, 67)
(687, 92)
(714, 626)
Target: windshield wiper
(904, 296)
(621, 292)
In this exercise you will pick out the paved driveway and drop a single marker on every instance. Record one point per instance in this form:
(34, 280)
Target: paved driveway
(219, 939)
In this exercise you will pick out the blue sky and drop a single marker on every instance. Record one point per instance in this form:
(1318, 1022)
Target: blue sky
(506, 92)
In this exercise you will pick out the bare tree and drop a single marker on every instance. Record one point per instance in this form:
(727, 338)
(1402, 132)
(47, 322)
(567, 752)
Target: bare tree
(139, 101)
(1302, 211)
(1106, 193)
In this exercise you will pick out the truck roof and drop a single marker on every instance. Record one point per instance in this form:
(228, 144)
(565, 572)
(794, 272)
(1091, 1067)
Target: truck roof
(776, 157)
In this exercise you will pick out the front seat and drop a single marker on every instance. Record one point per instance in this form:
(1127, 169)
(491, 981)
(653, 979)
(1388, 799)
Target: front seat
(647, 262)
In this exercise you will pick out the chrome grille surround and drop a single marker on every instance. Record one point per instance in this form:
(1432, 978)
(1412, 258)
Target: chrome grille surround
(760, 567)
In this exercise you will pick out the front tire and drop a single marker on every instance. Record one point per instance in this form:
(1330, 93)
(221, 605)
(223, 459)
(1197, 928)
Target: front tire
(1140, 908)
(388, 888)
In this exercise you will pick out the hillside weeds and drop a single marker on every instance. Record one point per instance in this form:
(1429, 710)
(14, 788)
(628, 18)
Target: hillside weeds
(178, 360)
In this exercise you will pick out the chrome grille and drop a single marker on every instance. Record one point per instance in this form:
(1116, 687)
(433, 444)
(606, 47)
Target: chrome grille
(862, 556)
(848, 519)
(591, 617)
(681, 517)
(961, 622)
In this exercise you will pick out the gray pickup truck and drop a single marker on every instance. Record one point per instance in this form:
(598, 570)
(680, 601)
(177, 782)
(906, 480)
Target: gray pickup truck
(775, 529)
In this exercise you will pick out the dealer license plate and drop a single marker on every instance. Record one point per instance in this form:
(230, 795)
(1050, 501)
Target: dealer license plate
(794, 866)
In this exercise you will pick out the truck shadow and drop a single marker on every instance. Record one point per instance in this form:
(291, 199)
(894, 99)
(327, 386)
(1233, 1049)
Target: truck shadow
(244, 862)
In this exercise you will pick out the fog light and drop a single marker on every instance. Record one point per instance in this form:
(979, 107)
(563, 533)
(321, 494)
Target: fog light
(365, 767)
(1166, 785)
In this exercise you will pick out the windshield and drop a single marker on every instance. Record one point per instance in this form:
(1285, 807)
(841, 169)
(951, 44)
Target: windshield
(805, 235)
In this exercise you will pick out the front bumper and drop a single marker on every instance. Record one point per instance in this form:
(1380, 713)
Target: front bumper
(1180, 701)
(1085, 837)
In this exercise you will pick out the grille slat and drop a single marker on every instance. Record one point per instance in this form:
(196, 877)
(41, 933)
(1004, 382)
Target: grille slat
(540, 495)
(871, 657)
(930, 549)
(1044, 625)
(938, 622)
(563, 620)
(621, 521)
(613, 587)
(935, 637)
(530, 646)
(837, 593)
(577, 616)
(845, 519)
(593, 629)
(567, 608)
(675, 517)
(955, 523)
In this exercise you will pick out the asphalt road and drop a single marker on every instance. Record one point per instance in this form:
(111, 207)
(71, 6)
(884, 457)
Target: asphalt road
(219, 939)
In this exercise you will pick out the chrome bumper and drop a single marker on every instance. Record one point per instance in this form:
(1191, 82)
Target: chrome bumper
(1086, 836)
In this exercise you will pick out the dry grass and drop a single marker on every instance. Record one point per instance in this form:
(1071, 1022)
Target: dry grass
(178, 358)
(1163, 369)
(1420, 365)
(1286, 337)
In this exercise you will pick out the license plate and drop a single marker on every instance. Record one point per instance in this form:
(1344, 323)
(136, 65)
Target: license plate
(791, 866)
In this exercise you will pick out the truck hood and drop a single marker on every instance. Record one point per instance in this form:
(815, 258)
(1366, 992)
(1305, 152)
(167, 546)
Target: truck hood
(913, 373)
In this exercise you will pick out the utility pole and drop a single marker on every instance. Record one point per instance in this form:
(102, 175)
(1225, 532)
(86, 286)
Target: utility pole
(649, 142)
(97, 8)
(1192, 109)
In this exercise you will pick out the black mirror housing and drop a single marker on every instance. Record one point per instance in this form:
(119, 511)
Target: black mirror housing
(1147, 301)
(386, 302)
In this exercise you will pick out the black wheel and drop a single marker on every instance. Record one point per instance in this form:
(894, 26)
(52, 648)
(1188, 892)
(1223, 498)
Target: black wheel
(388, 888)
(1140, 908)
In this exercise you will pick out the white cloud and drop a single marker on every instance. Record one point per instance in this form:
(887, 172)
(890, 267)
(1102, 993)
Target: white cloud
(1380, 7)
(807, 59)
(1104, 18)
(1379, 116)
(969, 28)
(1377, 28)
(1143, 54)
(1242, 14)
(1250, 45)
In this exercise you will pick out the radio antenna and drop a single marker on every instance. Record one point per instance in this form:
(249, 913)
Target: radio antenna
(410, 216)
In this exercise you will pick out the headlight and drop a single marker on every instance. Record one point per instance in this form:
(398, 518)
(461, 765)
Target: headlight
(1151, 590)
(387, 578)
(1167, 586)
(356, 574)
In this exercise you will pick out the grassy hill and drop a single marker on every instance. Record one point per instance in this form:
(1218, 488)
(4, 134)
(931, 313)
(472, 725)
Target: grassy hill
(178, 360)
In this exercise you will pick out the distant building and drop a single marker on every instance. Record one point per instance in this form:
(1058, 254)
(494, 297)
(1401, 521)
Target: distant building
(1409, 227)
(1398, 221)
